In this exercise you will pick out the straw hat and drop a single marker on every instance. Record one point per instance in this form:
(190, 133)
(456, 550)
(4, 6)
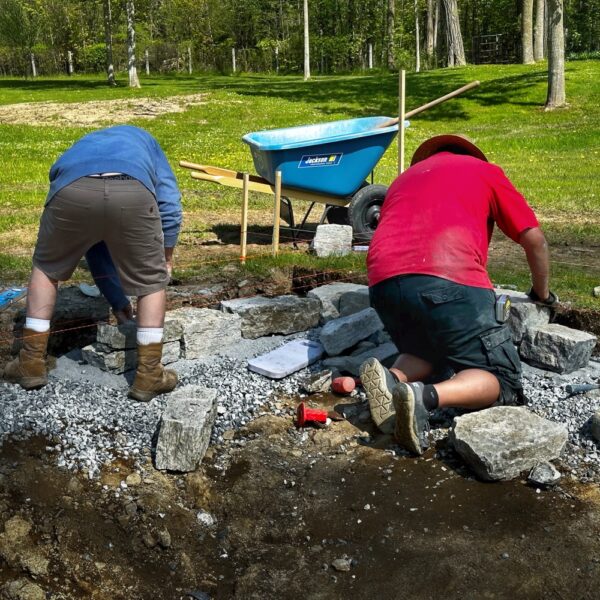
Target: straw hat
(435, 144)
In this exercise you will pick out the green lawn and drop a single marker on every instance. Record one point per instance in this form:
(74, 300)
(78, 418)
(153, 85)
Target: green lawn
(553, 158)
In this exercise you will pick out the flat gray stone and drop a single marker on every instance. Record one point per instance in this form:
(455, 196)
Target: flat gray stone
(124, 337)
(286, 359)
(557, 348)
(206, 331)
(499, 443)
(544, 474)
(343, 333)
(351, 364)
(354, 301)
(120, 361)
(332, 240)
(265, 316)
(329, 296)
(185, 428)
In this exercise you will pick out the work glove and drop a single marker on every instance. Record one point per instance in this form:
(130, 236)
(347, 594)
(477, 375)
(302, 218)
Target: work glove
(550, 301)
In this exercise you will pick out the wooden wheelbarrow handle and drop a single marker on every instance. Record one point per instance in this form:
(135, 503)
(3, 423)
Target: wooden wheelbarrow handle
(416, 111)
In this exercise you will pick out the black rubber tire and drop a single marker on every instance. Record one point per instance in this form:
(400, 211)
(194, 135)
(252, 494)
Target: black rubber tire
(364, 210)
(338, 215)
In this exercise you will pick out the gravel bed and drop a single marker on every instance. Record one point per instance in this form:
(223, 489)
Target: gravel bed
(90, 421)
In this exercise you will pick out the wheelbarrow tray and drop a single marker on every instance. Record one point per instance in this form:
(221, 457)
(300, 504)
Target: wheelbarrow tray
(331, 158)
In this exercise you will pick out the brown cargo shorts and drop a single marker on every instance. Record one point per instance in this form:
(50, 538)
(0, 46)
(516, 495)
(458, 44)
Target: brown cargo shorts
(122, 213)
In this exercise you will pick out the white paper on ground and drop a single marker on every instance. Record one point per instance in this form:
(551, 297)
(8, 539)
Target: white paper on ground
(287, 359)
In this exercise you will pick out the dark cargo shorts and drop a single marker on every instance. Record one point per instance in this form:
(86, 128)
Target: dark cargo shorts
(451, 326)
(123, 213)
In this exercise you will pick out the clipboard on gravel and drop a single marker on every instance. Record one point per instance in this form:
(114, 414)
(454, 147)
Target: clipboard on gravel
(11, 295)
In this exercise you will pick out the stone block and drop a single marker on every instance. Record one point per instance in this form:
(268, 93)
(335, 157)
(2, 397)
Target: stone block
(343, 333)
(205, 331)
(123, 337)
(286, 359)
(351, 364)
(262, 316)
(499, 443)
(596, 426)
(557, 348)
(120, 361)
(317, 382)
(524, 315)
(185, 428)
(329, 295)
(332, 240)
(354, 301)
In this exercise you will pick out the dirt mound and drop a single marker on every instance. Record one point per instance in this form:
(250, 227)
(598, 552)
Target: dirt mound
(95, 112)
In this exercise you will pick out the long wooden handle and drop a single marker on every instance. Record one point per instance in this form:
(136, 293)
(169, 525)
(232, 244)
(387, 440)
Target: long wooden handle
(420, 109)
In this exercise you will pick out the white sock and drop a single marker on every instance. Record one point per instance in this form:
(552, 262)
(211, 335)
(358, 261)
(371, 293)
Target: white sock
(38, 325)
(149, 335)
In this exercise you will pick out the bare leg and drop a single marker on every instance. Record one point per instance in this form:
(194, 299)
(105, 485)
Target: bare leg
(411, 368)
(41, 295)
(151, 309)
(471, 388)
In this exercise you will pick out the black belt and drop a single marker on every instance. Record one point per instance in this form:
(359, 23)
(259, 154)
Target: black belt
(121, 177)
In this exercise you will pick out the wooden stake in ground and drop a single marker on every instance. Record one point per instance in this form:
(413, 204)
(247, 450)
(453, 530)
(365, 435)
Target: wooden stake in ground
(244, 230)
(276, 213)
(401, 115)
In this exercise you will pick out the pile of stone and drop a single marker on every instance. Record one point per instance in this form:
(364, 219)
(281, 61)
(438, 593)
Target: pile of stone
(543, 344)
(190, 333)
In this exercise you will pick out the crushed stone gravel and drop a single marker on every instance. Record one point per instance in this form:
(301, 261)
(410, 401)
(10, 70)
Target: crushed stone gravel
(90, 421)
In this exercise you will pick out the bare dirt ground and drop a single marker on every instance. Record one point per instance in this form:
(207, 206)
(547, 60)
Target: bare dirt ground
(315, 513)
(96, 111)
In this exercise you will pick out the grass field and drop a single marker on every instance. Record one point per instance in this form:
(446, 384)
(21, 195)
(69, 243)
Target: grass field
(552, 157)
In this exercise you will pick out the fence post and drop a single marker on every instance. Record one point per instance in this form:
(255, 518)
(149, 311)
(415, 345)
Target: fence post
(233, 59)
(244, 231)
(276, 213)
(370, 55)
(70, 62)
(147, 60)
(33, 67)
(189, 52)
(402, 111)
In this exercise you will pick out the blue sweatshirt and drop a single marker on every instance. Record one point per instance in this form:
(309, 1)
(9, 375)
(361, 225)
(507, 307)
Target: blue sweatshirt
(129, 150)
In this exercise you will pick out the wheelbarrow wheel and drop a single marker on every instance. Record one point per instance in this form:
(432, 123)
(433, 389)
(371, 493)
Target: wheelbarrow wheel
(338, 215)
(364, 211)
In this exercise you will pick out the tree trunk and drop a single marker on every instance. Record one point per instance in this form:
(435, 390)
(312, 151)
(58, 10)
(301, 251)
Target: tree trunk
(189, 53)
(70, 62)
(430, 37)
(306, 43)
(133, 76)
(436, 27)
(456, 50)
(147, 61)
(110, 70)
(33, 67)
(556, 56)
(538, 38)
(391, 19)
(527, 32)
(417, 41)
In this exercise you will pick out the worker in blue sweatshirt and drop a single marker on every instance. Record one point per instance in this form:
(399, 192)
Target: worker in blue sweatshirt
(113, 186)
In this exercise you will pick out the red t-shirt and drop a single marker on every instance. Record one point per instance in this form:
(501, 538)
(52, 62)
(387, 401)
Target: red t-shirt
(438, 217)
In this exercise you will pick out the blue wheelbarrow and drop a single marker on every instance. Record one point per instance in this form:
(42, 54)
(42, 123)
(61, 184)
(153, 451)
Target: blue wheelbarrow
(328, 163)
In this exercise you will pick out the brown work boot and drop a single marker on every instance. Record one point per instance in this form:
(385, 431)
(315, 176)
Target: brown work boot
(151, 378)
(29, 368)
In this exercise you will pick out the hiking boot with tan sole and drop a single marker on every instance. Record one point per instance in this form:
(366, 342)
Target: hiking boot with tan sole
(379, 383)
(412, 418)
(29, 368)
(151, 378)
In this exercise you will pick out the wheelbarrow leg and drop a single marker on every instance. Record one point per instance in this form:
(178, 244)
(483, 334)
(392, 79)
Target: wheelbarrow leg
(303, 223)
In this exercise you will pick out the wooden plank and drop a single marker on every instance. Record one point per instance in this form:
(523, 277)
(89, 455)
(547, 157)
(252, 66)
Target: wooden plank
(276, 213)
(401, 113)
(244, 230)
(267, 188)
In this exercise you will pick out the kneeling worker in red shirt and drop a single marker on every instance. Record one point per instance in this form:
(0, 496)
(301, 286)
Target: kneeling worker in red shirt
(429, 284)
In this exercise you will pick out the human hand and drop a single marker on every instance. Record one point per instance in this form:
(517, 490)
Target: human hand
(549, 301)
(124, 315)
